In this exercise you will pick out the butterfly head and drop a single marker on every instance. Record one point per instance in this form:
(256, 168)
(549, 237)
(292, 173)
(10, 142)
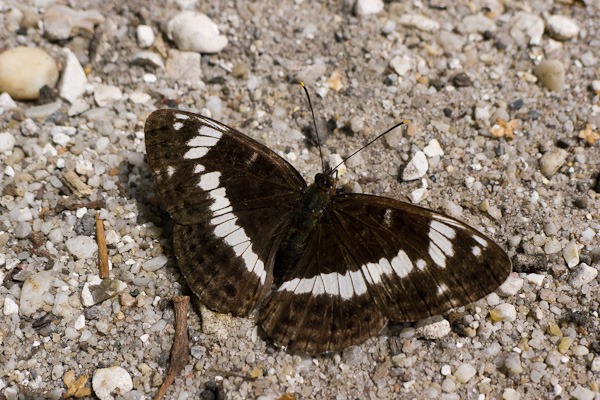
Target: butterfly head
(326, 181)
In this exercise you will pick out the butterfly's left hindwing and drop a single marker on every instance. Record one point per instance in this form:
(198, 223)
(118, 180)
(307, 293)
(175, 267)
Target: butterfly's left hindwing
(375, 259)
(231, 199)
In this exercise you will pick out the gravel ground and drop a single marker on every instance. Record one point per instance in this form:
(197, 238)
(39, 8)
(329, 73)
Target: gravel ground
(519, 160)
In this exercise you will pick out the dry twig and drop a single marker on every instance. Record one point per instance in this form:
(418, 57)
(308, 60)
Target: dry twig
(102, 250)
(180, 353)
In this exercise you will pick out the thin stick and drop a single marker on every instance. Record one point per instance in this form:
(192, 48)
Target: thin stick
(102, 250)
(180, 352)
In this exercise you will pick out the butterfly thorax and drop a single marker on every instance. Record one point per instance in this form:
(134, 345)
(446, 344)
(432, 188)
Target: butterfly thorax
(315, 200)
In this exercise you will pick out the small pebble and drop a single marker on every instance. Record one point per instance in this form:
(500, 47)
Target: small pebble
(34, 289)
(7, 142)
(82, 247)
(150, 59)
(571, 253)
(464, 373)
(536, 279)
(510, 394)
(402, 64)
(98, 290)
(551, 73)
(552, 246)
(357, 124)
(183, 66)
(419, 22)
(582, 393)
(504, 312)
(511, 286)
(527, 29)
(564, 344)
(512, 364)
(25, 70)
(433, 149)
(581, 275)
(416, 167)
(155, 263)
(561, 28)
(368, 7)
(476, 24)
(61, 22)
(74, 80)
(552, 161)
(435, 327)
(145, 36)
(194, 31)
(10, 307)
(107, 381)
(106, 95)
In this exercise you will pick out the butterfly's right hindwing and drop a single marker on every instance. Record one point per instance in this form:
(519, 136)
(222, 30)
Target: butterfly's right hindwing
(231, 199)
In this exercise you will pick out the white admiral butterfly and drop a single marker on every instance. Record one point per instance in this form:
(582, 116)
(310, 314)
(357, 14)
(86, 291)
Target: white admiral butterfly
(326, 270)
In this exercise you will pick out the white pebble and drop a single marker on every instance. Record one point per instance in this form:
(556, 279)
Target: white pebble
(60, 139)
(367, 7)
(433, 149)
(536, 279)
(33, 291)
(510, 394)
(416, 167)
(588, 234)
(155, 263)
(504, 312)
(402, 64)
(446, 370)
(476, 24)
(193, 31)
(582, 393)
(7, 103)
(552, 246)
(527, 29)
(82, 247)
(571, 253)
(357, 124)
(105, 95)
(420, 22)
(79, 322)
(581, 275)
(74, 80)
(493, 299)
(511, 286)
(7, 142)
(552, 160)
(418, 195)
(108, 380)
(464, 373)
(435, 327)
(145, 36)
(10, 307)
(561, 28)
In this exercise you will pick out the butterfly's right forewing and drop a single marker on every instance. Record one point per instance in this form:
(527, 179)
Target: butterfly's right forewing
(231, 199)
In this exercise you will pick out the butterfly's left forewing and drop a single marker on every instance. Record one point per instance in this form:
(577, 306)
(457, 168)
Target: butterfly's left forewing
(231, 199)
(373, 259)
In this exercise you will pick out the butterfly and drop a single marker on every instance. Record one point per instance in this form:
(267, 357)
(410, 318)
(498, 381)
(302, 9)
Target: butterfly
(326, 270)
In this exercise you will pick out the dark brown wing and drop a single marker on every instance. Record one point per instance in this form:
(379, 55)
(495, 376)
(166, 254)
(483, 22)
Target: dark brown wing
(232, 200)
(373, 259)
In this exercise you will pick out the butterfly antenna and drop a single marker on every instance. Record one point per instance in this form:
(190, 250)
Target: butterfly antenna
(315, 124)
(404, 122)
